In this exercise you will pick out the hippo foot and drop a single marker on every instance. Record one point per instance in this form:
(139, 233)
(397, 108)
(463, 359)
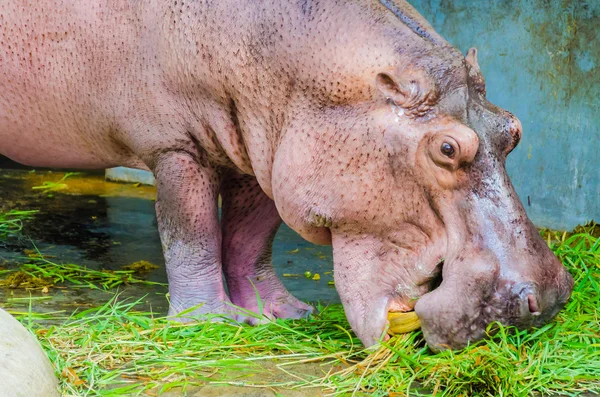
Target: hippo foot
(275, 300)
(188, 310)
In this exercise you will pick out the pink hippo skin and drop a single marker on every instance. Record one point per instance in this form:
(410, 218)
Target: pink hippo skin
(353, 121)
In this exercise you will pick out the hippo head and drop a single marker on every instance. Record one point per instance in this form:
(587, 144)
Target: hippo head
(406, 178)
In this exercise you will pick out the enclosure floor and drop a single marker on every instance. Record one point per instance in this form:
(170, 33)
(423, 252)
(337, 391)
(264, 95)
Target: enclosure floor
(106, 225)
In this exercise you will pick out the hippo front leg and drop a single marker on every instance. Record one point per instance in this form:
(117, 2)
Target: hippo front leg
(186, 208)
(250, 221)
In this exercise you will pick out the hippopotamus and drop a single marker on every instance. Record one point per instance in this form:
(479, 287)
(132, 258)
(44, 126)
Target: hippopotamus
(353, 122)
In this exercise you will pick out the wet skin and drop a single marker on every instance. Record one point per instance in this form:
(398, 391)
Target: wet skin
(353, 122)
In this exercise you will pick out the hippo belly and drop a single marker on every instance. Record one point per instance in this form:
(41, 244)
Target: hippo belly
(64, 86)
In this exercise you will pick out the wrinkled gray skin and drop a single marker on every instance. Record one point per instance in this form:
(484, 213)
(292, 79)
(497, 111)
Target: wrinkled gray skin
(353, 121)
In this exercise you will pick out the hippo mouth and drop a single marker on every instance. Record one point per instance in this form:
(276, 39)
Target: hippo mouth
(376, 279)
(405, 299)
(401, 314)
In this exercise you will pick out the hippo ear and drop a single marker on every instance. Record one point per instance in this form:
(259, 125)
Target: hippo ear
(414, 93)
(393, 90)
(475, 76)
(471, 59)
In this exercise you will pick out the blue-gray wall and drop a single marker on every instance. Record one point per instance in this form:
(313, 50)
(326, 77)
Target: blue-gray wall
(541, 60)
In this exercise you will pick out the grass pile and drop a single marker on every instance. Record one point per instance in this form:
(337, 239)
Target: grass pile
(117, 350)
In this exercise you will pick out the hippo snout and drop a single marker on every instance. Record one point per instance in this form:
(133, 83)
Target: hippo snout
(538, 300)
(460, 309)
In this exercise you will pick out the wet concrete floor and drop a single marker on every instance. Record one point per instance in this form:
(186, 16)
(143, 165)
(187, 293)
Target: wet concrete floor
(104, 225)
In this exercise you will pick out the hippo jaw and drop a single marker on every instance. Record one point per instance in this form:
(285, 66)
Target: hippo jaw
(375, 276)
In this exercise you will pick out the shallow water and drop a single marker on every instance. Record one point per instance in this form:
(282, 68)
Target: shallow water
(105, 225)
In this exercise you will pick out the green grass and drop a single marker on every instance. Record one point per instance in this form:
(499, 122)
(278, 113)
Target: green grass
(11, 222)
(50, 186)
(116, 350)
(40, 273)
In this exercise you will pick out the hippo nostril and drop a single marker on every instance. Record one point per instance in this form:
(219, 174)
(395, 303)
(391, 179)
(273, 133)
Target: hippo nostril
(534, 309)
(528, 300)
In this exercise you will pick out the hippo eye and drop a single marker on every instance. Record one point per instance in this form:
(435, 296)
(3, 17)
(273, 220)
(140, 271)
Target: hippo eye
(447, 150)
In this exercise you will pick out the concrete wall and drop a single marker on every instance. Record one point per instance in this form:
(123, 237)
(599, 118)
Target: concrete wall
(123, 174)
(541, 60)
